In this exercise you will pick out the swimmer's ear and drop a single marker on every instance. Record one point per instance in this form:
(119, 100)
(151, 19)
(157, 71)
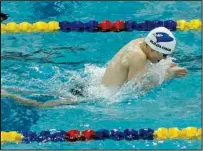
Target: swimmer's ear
(149, 48)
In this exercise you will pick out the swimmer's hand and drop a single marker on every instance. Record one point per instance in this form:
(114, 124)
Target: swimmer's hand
(172, 65)
(175, 71)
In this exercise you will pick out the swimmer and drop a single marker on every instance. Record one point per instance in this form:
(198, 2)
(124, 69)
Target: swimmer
(133, 58)
(130, 61)
(3, 17)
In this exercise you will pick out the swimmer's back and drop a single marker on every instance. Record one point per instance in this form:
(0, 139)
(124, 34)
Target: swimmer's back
(117, 70)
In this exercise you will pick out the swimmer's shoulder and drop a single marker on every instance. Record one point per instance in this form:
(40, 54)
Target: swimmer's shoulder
(131, 52)
(134, 45)
(135, 50)
(137, 41)
(137, 56)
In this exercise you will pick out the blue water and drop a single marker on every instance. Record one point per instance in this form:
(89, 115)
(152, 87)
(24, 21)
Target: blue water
(42, 66)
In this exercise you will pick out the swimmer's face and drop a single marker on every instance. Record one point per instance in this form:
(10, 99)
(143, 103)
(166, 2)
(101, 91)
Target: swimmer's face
(155, 56)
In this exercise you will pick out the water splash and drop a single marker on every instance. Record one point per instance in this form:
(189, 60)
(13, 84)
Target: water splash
(58, 82)
(130, 90)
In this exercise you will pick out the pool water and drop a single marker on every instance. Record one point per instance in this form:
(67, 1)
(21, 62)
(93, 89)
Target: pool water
(45, 66)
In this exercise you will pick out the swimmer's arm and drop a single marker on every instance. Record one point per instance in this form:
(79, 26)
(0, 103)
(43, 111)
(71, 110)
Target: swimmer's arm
(22, 100)
(168, 76)
(34, 103)
(136, 66)
(150, 84)
(175, 71)
(152, 81)
(134, 69)
(53, 103)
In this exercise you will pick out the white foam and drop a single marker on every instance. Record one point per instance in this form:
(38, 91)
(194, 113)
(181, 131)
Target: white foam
(91, 76)
(129, 90)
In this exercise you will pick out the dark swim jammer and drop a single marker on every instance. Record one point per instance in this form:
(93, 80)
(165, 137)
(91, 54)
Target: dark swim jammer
(78, 90)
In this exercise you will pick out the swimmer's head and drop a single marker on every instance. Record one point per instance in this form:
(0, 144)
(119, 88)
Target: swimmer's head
(161, 43)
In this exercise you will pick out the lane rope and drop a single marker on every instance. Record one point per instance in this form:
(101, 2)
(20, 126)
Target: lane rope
(104, 26)
(188, 133)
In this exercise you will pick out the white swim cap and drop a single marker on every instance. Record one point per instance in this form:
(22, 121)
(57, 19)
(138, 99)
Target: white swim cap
(162, 40)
